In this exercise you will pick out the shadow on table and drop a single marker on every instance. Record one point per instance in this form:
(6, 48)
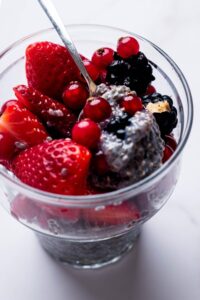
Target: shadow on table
(140, 275)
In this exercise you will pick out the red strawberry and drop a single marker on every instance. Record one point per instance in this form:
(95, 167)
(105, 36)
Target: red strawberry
(64, 213)
(60, 166)
(167, 153)
(49, 67)
(52, 113)
(6, 104)
(27, 209)
(170, 141)
(19, 129)
(112, 214)
(24, 208)
(7, 146)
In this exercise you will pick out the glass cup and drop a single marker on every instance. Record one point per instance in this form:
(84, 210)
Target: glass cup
(78, 230)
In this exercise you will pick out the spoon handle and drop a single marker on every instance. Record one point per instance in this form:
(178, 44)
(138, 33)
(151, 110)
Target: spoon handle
(53, 16)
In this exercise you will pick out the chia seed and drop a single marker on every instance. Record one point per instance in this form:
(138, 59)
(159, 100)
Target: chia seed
(55, 112)
(20, 145)
(133, 157)
(113, 93)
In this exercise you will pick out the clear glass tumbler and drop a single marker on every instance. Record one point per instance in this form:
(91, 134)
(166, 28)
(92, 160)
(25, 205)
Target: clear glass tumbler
(68, 227)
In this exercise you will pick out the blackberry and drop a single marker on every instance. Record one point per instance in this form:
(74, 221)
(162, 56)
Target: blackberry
(163, 110)
(117, 124)
(134, 72)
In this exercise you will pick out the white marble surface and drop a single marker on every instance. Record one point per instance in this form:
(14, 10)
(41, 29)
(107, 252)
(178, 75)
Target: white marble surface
(166, 262)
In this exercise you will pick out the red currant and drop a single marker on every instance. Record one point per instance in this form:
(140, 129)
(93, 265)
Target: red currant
(100, 164)
(91, 68)
(103, 75)
(103, 57)
(127, 46)
(131, 104)
(97, 109)
(75, 95)
(150, 90)
(167, 153)
(86, 133)
(170, 141)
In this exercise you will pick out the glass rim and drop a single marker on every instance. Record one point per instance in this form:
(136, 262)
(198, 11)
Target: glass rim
(74, 200)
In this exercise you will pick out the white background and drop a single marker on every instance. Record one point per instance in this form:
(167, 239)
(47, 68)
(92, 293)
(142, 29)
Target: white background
(165, 265)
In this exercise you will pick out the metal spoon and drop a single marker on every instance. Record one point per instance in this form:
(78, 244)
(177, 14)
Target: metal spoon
(53, 16)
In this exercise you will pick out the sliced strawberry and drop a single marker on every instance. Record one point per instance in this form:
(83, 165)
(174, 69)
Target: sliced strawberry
(170, 147)
(24, 208)
(53, 114)
(49, 67)
(19, 129)
(64, 213)
(167, 153)
(112, 214)
(170, 141)
(59, 166)
(6, 104)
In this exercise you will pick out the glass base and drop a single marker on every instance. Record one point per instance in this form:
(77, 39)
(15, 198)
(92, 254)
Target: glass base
(89, 254)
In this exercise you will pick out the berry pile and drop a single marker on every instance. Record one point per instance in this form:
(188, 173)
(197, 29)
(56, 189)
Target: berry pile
(134, 72)
(121, 137)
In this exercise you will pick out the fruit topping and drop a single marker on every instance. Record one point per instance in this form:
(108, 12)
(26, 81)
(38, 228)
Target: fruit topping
(170, 147)
(54, 115)
(131, 104)
(93, 71)
(19, 130)
(99, 164)
(150, 90)
(45, 214)
(167, 153)
(7, 104)
(87, 133)
(127, 46)
(134, 72)
(24, 208)
(117, 124)
(126, 125)
(163, 110)
(49, 68)
(58, 166)
(75, 95)
(69, 215)
(102, 76)
(113, 214)
(170, 141)
(103, 57)
(97, 109)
